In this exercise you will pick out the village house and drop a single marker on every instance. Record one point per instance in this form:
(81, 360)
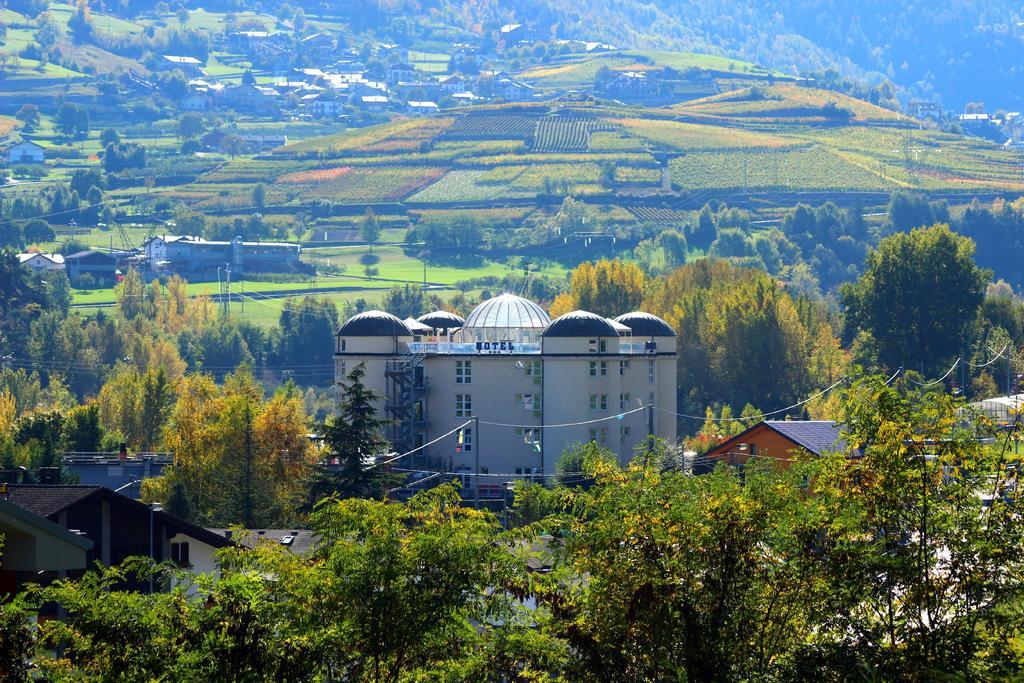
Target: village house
(25, 152)
(42, 263)
(400, 72)
(421, 108)
(453, 84)
(36, 550)
(781, 440)
(102, 267)
(117, 527)
(190, 66)
(254, 99)
(375, 103)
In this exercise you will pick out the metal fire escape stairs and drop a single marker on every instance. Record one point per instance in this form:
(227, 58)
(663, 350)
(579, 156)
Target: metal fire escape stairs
(406, 405)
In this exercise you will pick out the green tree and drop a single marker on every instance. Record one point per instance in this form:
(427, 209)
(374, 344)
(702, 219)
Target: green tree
(28, 114)
(369, 228)
(918, 298)
(190, 126)
(259, 195)
(109, 136)
(930, 544)
(688, 578)
(353, 438)
(82, 431)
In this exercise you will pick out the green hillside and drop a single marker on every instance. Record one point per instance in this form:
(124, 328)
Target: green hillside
(778, 138)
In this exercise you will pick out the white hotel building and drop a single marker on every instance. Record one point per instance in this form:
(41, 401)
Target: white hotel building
(527, 380)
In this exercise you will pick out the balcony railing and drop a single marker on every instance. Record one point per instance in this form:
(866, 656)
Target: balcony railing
(498, 348)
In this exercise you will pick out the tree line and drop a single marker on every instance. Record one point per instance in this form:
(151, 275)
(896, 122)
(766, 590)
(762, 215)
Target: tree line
(898, 555)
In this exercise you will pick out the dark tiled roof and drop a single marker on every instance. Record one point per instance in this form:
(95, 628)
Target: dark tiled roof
(817, 436)
(299, 541)
(580, 324)
(48, 500)
(646, 325)
(374, 324)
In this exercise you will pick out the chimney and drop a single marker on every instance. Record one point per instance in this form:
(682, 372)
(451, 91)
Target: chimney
(122, 454)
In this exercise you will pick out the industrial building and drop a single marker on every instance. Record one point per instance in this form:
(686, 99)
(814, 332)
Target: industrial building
(191, 255)
(522, 387)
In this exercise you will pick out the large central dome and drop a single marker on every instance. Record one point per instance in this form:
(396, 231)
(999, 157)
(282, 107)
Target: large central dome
(505, 318)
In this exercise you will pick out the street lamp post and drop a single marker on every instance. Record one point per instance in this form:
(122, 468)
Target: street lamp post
(153, 509)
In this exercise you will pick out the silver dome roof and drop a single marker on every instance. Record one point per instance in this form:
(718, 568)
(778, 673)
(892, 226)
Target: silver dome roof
(507, 311)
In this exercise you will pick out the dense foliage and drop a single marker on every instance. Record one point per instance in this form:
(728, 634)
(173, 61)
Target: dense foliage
(904, 559)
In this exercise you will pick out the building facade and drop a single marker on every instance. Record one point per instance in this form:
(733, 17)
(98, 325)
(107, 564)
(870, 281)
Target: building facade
(522, 387)
(192, 255)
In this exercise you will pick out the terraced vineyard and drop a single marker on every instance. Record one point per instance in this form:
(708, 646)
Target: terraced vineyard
(467, 186)
(816, 168)
(359, 185)
(767, 139)
(491, 127)
(566, 134)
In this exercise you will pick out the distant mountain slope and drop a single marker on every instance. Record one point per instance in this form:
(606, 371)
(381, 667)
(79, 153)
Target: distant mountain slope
(960, 50)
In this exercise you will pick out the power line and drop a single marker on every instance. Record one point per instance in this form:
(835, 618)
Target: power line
(418, 448)
(759, 415)
(948, 373)
(564, 424)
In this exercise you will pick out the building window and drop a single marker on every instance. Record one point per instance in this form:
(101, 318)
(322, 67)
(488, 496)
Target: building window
(623, 432)
(603, 368)
(599, 401)
(464, 440)
(531, 402)
(604, 345)
(623, 366)
(650, 372)
(530, 436)
(598, 368)
(463, 405)
(592, 346)
(599, 435)
(533, 369)
(623, 401)
(342, 345)
(463, 372)
(341, 368)
(650, 398)
(179, 554)
(593, 368)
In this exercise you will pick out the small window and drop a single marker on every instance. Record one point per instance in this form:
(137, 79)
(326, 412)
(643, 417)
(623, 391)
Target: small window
(623, 401)
(463, 405)
(603, 366)
(599, 436)
(593, 368)
(341, 368)
(624, 432)
(463, 372)
(342, 345)
(623, 366)
(650, 372)
(604, 402)
(604, 346)
(179, 554)
(464, 440)
(593, 401)
(592, 346)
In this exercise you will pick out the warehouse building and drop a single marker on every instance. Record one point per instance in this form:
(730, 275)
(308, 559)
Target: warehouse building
(522, 387)
(190, 255)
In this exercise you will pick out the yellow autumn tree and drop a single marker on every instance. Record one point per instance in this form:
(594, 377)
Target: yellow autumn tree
(609, 287)
(176, 311)
(238, 458)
